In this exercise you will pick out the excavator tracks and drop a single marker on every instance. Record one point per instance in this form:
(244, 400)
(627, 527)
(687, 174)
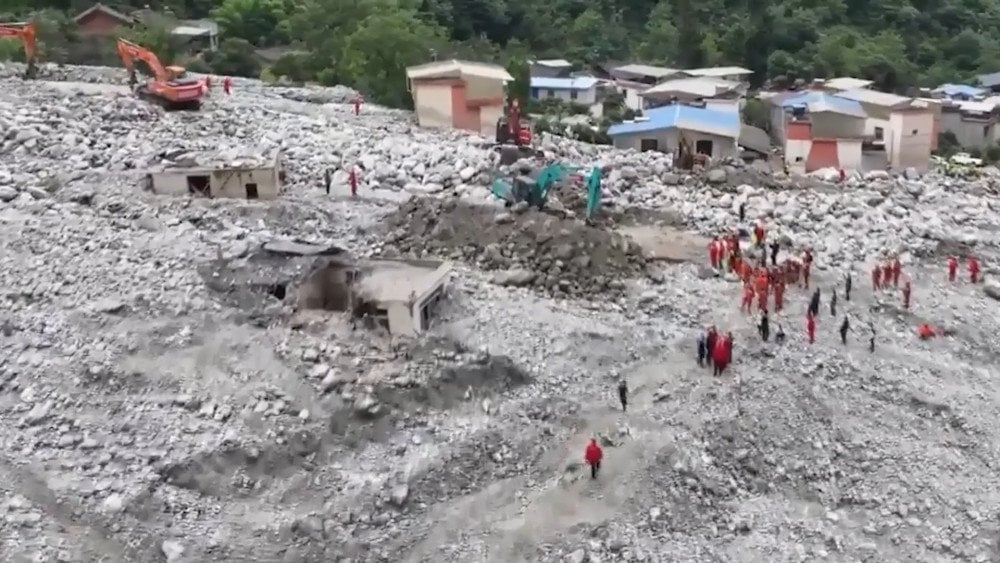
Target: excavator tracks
(168, 105)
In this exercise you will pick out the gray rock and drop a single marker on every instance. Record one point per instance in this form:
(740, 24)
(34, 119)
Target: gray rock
(514, 278)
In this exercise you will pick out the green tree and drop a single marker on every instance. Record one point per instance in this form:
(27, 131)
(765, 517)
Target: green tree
(376, 54)
(253, 20)
(659, 40)
(235, 57)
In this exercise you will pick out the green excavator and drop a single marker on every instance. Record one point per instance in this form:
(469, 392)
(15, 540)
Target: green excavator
(535, 191)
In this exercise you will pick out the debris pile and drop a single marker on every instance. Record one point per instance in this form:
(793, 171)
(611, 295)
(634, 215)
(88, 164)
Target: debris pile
(532, 248)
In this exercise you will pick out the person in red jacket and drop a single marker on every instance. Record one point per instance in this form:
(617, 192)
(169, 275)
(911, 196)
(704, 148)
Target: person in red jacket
(713, 253)
(897, 269)
(593, 455)
(357, 104)
(227, 85)
(720, 355)
(811, 327)
(973, 269)
(758, 233)
(952, 268)
(352, 179)
(711, 337)
(877, 277)
(906, 294)
(762, 291)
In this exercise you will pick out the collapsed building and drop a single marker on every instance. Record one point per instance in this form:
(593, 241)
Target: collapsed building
(219, 176)
(401, 296)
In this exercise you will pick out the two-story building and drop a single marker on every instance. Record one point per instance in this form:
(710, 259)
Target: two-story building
(581, 90)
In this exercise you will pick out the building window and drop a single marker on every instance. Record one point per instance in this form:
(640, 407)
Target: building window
(648, 145)
(986, 130)
(573, 94)
(550, 93)
(914, 132)
(252, 191)
(703, 147)
(534, 93)
(879, 134)
(798, 159)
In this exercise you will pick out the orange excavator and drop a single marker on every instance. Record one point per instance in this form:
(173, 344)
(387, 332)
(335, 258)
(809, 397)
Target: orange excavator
(26, 31)
(167, 87)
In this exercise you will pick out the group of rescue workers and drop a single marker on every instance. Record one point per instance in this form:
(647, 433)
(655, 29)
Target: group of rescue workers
(763, 282)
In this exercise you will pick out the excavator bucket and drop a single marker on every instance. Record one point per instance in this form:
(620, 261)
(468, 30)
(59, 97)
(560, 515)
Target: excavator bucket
(503, 190)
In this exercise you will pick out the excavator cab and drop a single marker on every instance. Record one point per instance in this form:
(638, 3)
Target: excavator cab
(176, 72)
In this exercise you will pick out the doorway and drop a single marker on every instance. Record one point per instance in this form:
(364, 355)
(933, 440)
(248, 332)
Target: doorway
(703, 147)
(252, 191)
(198, 185)
(648, 145)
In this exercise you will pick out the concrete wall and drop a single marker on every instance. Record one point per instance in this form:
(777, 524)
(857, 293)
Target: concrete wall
(633, 100)
(873, 160)
(583, 97)
(668, 140)
(796, 153)
(432, 102)
(911, 139)
(849, 154)
(778, 117)
(970, 132)
(402, 321)
(483, 91)
(221, 183)
(720, 104)
(830, 125)
(233, 183)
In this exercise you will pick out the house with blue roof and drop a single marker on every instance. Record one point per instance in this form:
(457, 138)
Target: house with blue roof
(707, 131)
(580, 90)
(958, 92)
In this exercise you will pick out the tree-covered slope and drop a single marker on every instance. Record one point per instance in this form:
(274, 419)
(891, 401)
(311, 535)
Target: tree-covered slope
(897, 43)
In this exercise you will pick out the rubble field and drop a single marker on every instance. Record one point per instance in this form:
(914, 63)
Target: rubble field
(161, 399)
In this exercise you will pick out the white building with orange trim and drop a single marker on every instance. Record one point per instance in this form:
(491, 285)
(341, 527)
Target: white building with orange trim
(458, 94)
(826, 130)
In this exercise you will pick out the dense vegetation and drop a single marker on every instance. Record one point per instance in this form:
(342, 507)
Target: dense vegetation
(368, 43)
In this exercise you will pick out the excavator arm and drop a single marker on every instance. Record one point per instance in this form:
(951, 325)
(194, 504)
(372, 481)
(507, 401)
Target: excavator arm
(166, 87)
(26, 32)
(130, 52)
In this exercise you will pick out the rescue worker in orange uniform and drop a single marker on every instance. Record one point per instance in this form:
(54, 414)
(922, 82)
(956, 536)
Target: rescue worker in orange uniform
(762, 291)
(747, 303)
(973, 269)
(952, 268)
(811, 327)
(896, 269)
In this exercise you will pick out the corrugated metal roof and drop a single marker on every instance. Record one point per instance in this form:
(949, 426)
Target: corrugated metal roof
(677, 116)
(703, 87)
(456, 68)
(646, 70)
(875, 98)
(951, 90)
(977, 107)
(578, 83)
(719, 71)
(554, 63)
(847, 83)
(816, 101)
(989, 80)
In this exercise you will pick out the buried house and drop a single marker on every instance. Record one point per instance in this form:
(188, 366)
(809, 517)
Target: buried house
(400, 295)
(244, 178)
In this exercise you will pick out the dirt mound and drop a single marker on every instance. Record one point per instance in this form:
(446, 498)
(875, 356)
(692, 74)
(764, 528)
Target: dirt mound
(559, 256)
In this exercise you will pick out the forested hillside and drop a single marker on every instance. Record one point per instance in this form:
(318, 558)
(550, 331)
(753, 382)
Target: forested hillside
(368, 43)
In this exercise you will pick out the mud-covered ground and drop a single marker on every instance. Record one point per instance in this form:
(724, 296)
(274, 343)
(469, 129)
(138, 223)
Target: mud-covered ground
(146, 414)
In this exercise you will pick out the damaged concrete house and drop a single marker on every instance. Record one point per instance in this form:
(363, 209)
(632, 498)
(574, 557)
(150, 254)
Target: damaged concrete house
(401, 296)
(219, 176)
